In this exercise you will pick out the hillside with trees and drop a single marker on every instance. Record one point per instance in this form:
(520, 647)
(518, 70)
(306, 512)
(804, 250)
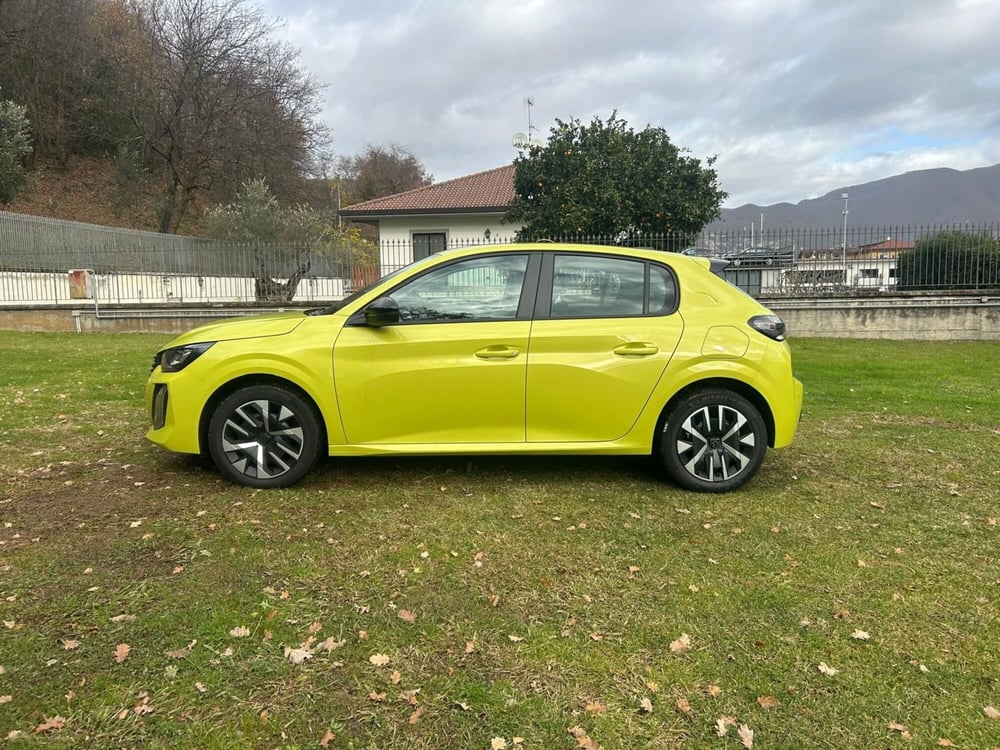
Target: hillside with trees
(147, 113)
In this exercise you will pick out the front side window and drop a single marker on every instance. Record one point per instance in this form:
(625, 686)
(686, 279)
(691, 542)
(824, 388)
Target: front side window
(591, 286)
(474, 289)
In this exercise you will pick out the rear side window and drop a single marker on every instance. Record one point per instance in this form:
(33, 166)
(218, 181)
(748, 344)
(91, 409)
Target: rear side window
(585, 286)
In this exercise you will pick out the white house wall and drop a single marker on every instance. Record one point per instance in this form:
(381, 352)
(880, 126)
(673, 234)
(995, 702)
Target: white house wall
(396, 234)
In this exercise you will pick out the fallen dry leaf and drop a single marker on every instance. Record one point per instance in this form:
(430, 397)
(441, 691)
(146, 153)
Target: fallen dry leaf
(596, 707)
(330, 644)
(182, 653)
(827, 670)
(56, 722)
(745, 734)
(714, 690)
(945, 742)
(240, 631)
(681, 645)
(646, 705)
(415, 716)
(895, 726)
(991, 713)
(69, 644)
(470, 646)
(326, 739)
(406, 616)
(498, 743)
(395, 677)
(722, 725)
(200, 687)
(685, 707)
(376, 697)
(6, 699)
(315, 628)
(515, 638)
(122, 651)
(297, 655)
(379, 660)
(860, 635)
(767, 701)
(582, 739)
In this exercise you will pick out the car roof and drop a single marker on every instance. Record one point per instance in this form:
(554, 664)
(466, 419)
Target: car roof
(564, 247)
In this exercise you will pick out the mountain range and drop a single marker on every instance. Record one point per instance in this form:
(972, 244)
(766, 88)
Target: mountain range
(920, 198)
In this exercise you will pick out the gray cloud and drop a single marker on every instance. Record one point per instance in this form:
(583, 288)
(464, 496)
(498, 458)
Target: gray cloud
(796, 97)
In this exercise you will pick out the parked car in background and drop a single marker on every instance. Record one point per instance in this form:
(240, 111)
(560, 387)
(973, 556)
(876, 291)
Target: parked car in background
(761, 256)
(533, 348)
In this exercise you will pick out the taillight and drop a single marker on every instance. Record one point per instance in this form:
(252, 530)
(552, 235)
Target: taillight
(770, 325)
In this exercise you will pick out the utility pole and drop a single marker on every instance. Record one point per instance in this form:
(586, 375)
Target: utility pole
(844, 250)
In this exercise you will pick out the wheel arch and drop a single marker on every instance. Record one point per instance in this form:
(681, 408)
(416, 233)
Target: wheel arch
(748, 392)
(230, 387)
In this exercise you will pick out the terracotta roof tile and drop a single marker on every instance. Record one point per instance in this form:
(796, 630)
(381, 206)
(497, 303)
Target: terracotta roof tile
(492, 189)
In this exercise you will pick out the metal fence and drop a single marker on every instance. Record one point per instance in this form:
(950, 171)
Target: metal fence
(46, 261)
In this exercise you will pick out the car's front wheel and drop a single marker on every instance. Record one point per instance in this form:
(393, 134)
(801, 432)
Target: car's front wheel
(264, 436)
(712, 441)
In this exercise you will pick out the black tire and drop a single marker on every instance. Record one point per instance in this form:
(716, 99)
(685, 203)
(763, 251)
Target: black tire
(264, 436)
(712, 441)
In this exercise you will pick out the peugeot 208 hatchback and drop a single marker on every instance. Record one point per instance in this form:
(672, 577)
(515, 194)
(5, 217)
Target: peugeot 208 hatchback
(518, 349)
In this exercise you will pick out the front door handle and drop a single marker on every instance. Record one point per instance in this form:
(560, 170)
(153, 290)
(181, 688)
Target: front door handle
(636, 349)
(498, 351)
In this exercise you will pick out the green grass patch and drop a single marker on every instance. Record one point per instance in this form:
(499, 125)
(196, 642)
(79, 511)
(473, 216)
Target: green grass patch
(508, 597)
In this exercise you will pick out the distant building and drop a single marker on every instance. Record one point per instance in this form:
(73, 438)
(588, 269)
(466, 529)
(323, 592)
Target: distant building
(884, 250)
(426, 220)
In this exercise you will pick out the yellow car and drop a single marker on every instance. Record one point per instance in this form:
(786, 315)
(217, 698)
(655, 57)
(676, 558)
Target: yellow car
(517, 349)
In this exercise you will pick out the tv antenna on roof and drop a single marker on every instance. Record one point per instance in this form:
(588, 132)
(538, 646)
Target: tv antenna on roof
(526, 140)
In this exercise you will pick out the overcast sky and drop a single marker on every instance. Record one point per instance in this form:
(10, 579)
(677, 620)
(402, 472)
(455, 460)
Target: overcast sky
(796, 97)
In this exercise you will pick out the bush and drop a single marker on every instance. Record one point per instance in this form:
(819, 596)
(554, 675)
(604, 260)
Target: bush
(951, 260)
(15, 145)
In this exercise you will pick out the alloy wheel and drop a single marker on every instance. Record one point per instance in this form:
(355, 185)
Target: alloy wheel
(262, 439)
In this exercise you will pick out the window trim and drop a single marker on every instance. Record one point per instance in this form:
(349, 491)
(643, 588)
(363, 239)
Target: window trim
(543, 300)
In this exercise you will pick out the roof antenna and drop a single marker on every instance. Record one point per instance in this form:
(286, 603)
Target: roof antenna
(524, 140)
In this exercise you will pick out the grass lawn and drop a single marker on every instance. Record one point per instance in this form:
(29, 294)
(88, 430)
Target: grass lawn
(849, 597)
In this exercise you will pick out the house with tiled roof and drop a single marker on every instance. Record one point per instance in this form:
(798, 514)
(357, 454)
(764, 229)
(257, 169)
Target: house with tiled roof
(463, 211)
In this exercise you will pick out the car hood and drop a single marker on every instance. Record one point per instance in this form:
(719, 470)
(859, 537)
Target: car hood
(256, 326)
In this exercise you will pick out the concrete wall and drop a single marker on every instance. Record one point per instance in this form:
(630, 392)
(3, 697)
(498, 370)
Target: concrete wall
(119, 320)
(917, 318)
(899, 318)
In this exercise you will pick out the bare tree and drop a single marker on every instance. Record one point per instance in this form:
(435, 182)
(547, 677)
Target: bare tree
(380, 171)
(51, 60)
(214, 101)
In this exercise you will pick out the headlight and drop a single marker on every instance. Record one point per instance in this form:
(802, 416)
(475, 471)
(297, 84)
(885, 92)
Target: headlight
(179, 357)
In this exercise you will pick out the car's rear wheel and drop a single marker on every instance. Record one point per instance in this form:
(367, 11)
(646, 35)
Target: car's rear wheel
(264, 436)
(712, 441)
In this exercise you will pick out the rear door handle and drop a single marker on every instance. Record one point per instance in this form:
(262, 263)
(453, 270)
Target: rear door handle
(636, 349)
(498, 351)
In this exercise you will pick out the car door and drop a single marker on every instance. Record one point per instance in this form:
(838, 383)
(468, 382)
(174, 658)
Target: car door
(452, 370)
(605, 329)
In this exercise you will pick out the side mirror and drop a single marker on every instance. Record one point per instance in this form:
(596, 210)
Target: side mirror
(382, 312)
